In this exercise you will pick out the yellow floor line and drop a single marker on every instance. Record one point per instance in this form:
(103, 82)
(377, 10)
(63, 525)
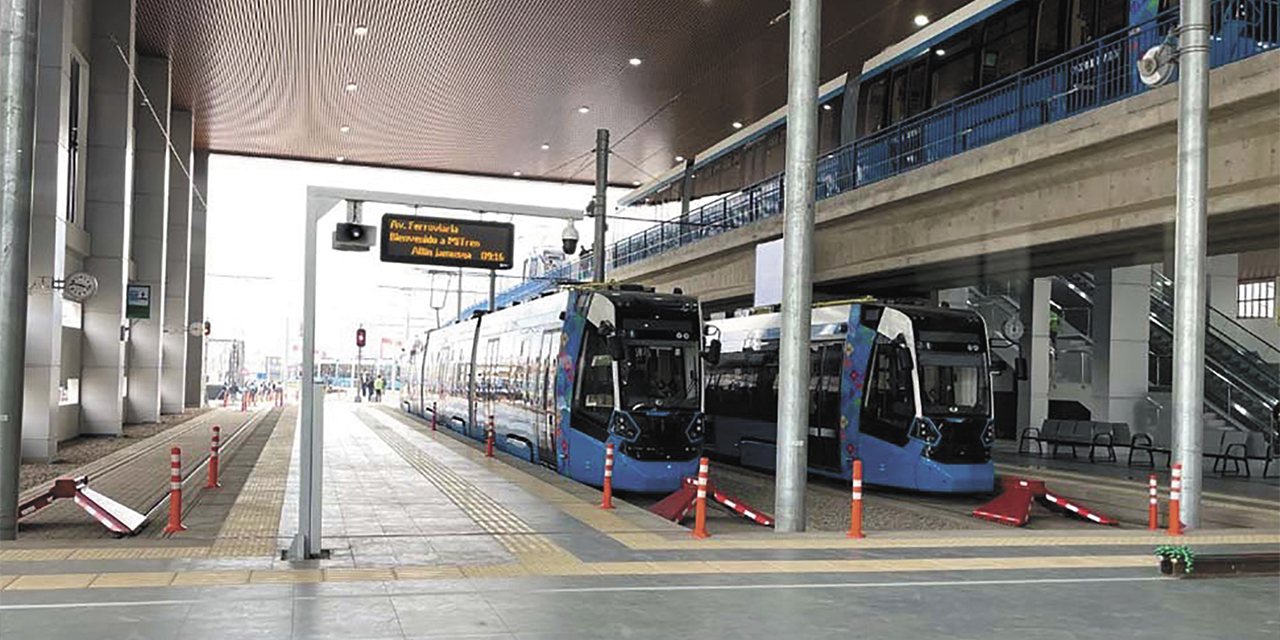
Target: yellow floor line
(124, 580)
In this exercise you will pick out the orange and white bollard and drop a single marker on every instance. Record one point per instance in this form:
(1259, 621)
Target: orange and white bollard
(855, 515)
(175, 492)
(1175, 498)
(434, 416)
(700, 511)
(1153, 505)
(606, 501)
(488, 442)
(213, 459)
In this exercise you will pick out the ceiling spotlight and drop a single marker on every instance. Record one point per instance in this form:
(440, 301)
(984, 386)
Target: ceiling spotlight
(351, 86)
(921, 20)
(344, 128)
(941, 52)
(737, 125)
(584, 109)
(635, 183)
(341, 158)
(679, 158)
(361, 30)
(546, 145)
(635, 62)
(826, 107)
(516, 174)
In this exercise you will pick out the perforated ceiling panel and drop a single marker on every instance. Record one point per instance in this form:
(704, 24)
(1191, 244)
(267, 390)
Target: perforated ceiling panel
(480, 86)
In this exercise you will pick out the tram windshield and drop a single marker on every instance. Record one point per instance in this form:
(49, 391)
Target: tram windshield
(954, 384)
(660, 377)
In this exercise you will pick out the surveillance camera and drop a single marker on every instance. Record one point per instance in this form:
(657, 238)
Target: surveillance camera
(349, 236)
(570, 239)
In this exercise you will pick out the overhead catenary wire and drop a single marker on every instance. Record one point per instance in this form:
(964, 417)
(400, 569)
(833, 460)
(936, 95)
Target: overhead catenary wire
(146, 100)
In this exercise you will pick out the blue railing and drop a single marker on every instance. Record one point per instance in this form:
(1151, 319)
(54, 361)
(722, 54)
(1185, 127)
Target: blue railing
(1099, 73)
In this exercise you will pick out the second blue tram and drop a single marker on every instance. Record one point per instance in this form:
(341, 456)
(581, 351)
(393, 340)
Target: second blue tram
(907, 389)
(566, 373)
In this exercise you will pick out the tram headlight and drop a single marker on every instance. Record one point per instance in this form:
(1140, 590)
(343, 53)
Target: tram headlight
(624, 428)
(989, 433)
(697, 428)
(926, 432)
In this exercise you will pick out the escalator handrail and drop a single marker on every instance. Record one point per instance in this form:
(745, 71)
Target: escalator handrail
(1159, 281)
(1263, 397)
(1248, 356)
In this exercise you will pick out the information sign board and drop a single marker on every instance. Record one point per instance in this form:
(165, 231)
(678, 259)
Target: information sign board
(448, 243)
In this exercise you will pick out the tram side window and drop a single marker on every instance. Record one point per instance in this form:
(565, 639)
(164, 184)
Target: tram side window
(595, 374)
(871, 111)
(890, 406)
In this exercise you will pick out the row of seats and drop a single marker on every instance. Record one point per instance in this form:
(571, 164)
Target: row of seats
(1225, 447)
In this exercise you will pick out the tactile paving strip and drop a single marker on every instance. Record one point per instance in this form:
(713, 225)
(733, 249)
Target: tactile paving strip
(516, 535)
(251, 526)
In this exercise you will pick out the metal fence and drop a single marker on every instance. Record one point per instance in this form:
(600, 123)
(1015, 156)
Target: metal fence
(1099, 73)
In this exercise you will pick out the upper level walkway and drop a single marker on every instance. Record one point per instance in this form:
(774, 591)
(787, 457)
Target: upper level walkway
(1070, 162)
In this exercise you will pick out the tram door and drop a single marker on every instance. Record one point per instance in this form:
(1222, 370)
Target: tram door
(544, 399)
(824, 405)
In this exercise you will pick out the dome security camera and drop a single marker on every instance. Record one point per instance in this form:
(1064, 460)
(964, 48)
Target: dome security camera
(570, 238)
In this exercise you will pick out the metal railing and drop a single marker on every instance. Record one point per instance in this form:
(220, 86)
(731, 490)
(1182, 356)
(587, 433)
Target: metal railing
(1096, 74)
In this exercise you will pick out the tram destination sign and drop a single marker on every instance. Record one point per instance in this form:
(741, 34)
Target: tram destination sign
(448, 243)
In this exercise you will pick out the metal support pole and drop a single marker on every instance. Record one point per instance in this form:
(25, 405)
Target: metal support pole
(686, 187)
(1189, 252)
(459, 293)
(797, 264)
(602, 184)
(19, 20)
(493, 287)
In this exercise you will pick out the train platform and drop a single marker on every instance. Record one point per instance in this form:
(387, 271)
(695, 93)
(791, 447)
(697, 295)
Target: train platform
(431, 539)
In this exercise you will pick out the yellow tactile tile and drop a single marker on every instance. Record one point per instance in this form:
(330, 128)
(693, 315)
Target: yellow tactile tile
(211, 578)
(442, 572)
(298, 576)
(359, 575)
(52, 581)
(34, 555)
(5, 580)
(133, 579)
(495, 571)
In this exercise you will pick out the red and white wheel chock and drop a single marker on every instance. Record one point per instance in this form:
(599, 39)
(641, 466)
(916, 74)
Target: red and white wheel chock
(113, 515)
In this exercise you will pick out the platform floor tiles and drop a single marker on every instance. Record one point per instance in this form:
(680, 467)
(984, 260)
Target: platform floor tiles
(431, 540)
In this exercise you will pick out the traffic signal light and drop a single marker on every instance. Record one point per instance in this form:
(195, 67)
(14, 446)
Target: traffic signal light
(360, 337)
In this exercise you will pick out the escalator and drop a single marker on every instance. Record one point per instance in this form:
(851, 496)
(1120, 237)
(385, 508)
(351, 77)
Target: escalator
(1242, 377)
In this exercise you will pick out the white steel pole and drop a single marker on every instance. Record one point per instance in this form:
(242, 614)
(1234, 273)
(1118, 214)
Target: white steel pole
(797, 264)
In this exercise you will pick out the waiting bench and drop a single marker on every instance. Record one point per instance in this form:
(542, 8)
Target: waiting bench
(1076, 433)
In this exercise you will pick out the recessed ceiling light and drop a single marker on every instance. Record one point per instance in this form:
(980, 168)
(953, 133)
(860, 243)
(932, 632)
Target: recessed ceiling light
(737, 125)
(826, 107)
(351, 86)
(635, 62)
(344, 128)
(679, 158)
(546, 145)
(941, 52)
(635, 183)
(341, 158)
(584, 109)
(361, 30)
(921, 20)
(516, 174)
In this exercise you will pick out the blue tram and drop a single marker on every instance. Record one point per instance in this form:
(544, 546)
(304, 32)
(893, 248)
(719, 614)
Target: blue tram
(565, 373)
(907, 389)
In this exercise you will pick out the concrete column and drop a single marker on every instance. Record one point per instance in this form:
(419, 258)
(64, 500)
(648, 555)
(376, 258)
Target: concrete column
(173, 383)
(195, 285)
(1035, 316)
(1223, 273)
(108, 216)
(43, 371)
(1122, 331)
(149, 234)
